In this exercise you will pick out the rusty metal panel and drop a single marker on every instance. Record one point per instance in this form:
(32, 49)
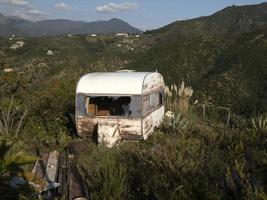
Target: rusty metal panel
(85, 127)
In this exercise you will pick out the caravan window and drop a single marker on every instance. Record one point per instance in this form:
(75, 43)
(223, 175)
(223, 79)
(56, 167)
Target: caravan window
(156, 99)
(123, 106)
(80, 105)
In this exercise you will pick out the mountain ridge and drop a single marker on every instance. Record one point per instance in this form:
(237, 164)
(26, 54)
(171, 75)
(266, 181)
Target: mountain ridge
(22, 27)
(230, 20)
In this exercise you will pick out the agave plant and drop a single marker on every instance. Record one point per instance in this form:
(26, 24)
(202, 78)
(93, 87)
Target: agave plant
(11, 162)
(11, 119)
(178, 122)
(259, 123)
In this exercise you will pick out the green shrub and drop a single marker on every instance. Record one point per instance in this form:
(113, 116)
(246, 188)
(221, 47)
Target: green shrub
(107, 177)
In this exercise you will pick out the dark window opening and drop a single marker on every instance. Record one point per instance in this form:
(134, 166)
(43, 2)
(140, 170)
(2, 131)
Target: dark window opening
(160, 98)
(109, 106)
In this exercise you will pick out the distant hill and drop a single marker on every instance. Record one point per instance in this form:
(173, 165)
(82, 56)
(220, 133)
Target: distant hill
(223, 57)
(6, 29)
(22, 27)
(231, 20)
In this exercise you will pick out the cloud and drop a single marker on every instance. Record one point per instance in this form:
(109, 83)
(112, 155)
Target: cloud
(63, 7)
(113, 7)
(15, 2)
(25, 10)
(32, 14)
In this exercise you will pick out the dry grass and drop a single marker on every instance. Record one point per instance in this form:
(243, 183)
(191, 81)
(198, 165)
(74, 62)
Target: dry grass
(178, 99)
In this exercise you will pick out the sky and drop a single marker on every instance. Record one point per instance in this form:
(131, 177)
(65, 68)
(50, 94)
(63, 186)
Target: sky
(143, 14)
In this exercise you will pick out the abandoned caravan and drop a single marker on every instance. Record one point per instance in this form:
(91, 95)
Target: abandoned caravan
(115, 106)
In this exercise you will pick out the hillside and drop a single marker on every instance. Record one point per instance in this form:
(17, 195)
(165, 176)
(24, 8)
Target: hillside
(186, 158)
(221, 68)
(223, 56)
(6, 29)
(22, 27)
(226, 70)
(231, 20)
(190, 156)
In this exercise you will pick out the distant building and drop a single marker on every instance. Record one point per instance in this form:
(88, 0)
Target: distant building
(17, 45)
(20, 43)
(49, 53)
(12, 37)
(69, 35)
(137, 36)
(93, 35)
(122, 34)
(7, 70)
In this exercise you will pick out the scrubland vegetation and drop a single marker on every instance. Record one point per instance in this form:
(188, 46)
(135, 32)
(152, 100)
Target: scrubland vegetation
(188, 157)
(184, 159)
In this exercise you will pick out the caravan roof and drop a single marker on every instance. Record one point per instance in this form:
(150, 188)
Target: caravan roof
(117, 83)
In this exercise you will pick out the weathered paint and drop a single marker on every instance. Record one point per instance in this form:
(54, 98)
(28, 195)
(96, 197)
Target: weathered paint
(111, 129)
(153, 81)
(151, 121)
(108, 134)
(126, 127)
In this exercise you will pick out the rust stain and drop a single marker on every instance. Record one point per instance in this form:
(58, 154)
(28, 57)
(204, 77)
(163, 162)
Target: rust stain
(86, 126)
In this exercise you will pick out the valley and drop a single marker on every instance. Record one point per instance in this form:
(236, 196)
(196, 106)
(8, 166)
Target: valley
(222, 57)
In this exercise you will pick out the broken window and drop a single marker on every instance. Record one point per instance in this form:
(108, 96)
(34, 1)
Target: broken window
(126, 106)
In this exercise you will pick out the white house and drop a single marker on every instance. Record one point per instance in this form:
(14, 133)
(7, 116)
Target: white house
(8, 70)
(12, 37)
(122, 34)
(115, 106)
(17, 45)
(49, 53)
(69, 35)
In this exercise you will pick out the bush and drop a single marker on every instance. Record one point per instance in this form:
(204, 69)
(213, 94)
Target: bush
(107, 177)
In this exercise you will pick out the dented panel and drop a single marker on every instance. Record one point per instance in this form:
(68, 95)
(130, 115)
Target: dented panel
(126, 127)
(108, 134)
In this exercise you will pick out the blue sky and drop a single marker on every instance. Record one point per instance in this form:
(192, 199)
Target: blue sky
(144, 14)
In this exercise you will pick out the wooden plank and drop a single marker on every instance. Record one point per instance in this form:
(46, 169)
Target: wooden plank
(52, 166)
(39, 169)
(60, 175)
(76, 189)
